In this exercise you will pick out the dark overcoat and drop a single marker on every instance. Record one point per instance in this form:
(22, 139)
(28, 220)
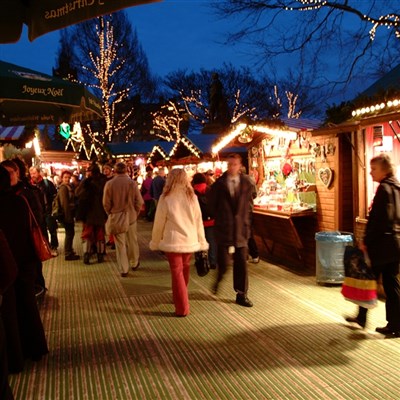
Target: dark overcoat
(232, 216)
(24, 329)
(90, 200)
(382, 244)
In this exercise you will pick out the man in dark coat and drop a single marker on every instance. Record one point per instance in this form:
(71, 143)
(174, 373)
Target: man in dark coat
(382, 243)
(229, 200)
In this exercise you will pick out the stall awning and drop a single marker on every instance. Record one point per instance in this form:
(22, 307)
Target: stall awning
(8, 133)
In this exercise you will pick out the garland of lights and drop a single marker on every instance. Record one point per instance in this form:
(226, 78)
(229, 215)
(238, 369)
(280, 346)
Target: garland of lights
(77, 141)
(188, 144)
(104, 68)
(240, 128)
(376, 107)
(388, 20)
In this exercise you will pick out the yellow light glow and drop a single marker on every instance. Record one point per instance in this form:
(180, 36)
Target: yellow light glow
(36, 146)
(290, 135)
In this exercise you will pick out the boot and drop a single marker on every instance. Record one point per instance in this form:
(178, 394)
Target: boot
(100, 251)
(86, 256)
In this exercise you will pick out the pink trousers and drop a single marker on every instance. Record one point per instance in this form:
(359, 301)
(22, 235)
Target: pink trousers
(179, 264)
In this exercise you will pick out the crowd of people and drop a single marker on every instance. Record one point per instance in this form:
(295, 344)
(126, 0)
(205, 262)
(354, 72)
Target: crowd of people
(177, 205)
(189, 214)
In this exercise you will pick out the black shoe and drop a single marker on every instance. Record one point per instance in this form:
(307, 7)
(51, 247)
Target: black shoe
(100, 257)
(124, 274)
(356, 321)
(214, 288)
(86, 258)
(243, 300)
(394, 334)
(72, 257)
(387, 331)
(136, 266)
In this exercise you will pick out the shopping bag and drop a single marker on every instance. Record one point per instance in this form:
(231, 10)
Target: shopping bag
(359, 285)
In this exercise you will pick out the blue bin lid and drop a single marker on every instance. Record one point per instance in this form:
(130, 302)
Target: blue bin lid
(334, 236)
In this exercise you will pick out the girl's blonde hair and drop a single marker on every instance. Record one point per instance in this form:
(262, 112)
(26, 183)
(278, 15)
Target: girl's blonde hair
(177, 177)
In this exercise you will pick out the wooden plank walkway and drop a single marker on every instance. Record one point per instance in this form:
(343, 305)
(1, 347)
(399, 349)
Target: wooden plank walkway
(115, 338)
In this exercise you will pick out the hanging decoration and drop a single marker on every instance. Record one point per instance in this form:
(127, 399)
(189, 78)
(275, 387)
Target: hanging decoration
(246, 136)
(377, 135)
(325, 175)
(77, 141)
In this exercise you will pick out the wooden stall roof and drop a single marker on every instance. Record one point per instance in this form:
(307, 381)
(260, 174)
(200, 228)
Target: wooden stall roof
(356, 124)
(53, 156)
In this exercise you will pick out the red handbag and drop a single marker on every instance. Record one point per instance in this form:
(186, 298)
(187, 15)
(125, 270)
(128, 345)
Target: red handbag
(41, 244)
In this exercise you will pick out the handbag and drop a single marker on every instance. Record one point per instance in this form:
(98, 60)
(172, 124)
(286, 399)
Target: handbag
(117, 223)
(41, 244)
(359, 285)
(201, 262)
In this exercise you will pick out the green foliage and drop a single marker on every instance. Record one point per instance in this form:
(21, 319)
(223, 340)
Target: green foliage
(337, 114)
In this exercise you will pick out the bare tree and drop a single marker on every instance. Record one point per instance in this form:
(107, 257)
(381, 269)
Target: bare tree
(110, 60)
(334, 42)
(167, 122)
(246, 95)
(65, 58)
(251, 97)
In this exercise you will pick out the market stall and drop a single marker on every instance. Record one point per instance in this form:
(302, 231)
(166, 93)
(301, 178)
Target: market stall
(283, 166)
(282, 162)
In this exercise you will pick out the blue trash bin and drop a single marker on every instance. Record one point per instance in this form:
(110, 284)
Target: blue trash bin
(330, 248)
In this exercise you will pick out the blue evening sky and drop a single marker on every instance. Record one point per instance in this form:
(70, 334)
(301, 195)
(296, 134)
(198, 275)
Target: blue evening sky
(174, 34)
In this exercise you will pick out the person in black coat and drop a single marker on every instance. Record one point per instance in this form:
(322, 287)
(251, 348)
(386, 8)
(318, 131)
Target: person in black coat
(90, 210)
(24, 328)
(382, 243)
(8, 273)
(22, 187)
(229, 200)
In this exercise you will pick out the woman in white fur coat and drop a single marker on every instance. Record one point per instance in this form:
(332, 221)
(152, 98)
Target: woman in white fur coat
(178, 231)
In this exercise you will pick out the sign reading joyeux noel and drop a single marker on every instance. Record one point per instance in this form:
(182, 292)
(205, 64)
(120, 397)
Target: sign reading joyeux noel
(31, 97)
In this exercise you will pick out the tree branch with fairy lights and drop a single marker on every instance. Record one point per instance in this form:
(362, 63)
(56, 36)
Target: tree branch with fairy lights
(336, 42)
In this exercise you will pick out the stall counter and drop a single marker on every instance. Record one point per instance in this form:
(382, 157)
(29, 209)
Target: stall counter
(287, 236)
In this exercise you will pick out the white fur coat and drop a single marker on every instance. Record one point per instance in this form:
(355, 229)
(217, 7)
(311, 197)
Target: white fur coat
(178, 225)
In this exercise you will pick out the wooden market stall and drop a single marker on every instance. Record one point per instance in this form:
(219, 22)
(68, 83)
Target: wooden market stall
(281, 160)
(373, 128)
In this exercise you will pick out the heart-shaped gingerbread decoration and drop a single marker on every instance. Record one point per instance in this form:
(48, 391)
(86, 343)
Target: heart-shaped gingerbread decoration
(325, 175)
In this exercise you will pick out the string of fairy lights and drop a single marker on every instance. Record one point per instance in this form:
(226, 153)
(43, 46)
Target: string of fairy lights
(388, 20)
(373, 108)
(104, 67)
(242, 127)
